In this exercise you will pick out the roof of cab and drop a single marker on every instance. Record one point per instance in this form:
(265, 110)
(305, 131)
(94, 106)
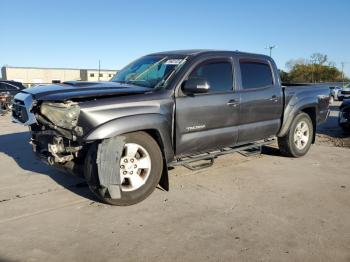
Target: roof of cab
(183, 52)
(194, 52)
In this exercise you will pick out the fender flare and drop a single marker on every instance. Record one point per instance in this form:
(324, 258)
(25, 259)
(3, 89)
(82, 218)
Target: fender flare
(291, 111)
(136, 123)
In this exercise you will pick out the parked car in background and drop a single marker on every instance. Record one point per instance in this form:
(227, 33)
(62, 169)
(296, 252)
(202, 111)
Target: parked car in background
(344, 116)
(167, 109)
(8, 89)
(11, 87)
(344, 93)
(5, 102)
(335, 91)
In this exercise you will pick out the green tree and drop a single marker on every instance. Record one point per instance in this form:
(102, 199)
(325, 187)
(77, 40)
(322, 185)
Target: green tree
(284, 76)
(316, 69)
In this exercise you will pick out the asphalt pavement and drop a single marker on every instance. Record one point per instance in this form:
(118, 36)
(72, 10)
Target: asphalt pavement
(262, 208)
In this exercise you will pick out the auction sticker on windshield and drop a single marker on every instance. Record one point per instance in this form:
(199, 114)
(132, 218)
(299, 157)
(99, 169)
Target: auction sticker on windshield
(173, 62)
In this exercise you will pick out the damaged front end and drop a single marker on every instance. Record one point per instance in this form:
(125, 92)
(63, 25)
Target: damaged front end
(55, 134)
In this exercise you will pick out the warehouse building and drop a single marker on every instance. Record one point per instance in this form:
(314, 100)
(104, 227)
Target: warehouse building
(96, 75)
(37, 75)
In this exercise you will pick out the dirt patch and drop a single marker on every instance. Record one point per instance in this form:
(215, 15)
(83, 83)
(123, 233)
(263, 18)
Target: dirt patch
(330, 133)
(322, 139)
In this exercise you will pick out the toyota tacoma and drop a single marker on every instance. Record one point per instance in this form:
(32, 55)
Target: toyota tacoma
(166, 109)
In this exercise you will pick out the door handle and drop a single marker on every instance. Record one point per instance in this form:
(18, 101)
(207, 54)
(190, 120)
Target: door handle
(233, 103)
(274, 98)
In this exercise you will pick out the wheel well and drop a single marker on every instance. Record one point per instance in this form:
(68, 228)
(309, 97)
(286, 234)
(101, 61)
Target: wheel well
(164, 180)
(156, 136)
(311, 111)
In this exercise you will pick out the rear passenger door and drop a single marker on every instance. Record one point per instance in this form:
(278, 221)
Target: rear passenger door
(208, 121)
(261, 100)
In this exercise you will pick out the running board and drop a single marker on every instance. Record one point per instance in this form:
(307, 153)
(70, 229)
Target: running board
(246, 150)
(254, 151)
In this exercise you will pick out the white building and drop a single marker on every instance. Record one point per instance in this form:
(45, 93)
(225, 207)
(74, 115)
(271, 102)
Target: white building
(38, 75)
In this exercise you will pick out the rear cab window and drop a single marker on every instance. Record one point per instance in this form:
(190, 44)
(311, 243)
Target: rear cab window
(255, 74)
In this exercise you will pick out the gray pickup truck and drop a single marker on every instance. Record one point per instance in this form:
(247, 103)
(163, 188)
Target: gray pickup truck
(167, 109)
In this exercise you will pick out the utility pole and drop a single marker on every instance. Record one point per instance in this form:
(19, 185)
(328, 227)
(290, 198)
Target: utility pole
(312, 71)
(342, 71)
(270, 47)
(99, 69)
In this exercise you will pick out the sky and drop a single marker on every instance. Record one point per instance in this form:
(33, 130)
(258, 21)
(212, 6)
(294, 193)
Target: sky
(77, 34)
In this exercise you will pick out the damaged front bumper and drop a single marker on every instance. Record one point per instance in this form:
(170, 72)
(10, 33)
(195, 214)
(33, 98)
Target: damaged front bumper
(57, 151)
(52, 144)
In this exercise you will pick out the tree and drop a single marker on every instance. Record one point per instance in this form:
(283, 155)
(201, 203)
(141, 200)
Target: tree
(318, 58)
(284, 76)
(293, 62)
(316, 69)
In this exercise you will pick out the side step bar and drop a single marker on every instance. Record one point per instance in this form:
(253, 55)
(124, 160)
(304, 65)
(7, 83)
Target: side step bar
(246, 150)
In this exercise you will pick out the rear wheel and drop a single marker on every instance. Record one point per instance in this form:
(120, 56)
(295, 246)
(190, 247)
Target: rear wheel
(140, 168)
(297, 141)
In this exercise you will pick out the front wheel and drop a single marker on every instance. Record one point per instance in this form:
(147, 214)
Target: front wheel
(297, 141)
(140, 168)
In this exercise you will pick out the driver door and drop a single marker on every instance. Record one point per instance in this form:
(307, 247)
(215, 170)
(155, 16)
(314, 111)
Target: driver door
(208, 121)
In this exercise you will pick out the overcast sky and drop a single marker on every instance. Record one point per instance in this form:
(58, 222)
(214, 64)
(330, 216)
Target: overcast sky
(78, 33)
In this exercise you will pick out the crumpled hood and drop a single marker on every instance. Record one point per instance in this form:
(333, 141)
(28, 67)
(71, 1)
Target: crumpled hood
(79, 89)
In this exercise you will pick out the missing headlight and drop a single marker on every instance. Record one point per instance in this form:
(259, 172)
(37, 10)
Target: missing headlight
(64, 115)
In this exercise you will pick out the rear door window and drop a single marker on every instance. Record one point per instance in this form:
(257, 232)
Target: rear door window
(255, 74)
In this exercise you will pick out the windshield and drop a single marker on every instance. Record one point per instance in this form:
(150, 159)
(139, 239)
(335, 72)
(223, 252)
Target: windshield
(150, 71)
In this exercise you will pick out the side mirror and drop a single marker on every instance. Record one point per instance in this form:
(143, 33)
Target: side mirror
(195, 86)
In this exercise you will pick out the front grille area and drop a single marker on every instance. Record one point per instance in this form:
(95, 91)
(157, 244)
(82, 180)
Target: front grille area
(19, 112)
(19, 102)
(345, 92)
(22, 107)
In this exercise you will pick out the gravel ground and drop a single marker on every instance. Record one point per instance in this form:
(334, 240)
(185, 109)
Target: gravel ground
(329, 133)
(264, 208)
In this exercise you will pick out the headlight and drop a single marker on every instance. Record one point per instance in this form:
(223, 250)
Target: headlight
(61, 114)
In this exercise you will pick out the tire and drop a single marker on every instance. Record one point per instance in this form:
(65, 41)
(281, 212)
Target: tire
(129, 194)
(292, 144)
